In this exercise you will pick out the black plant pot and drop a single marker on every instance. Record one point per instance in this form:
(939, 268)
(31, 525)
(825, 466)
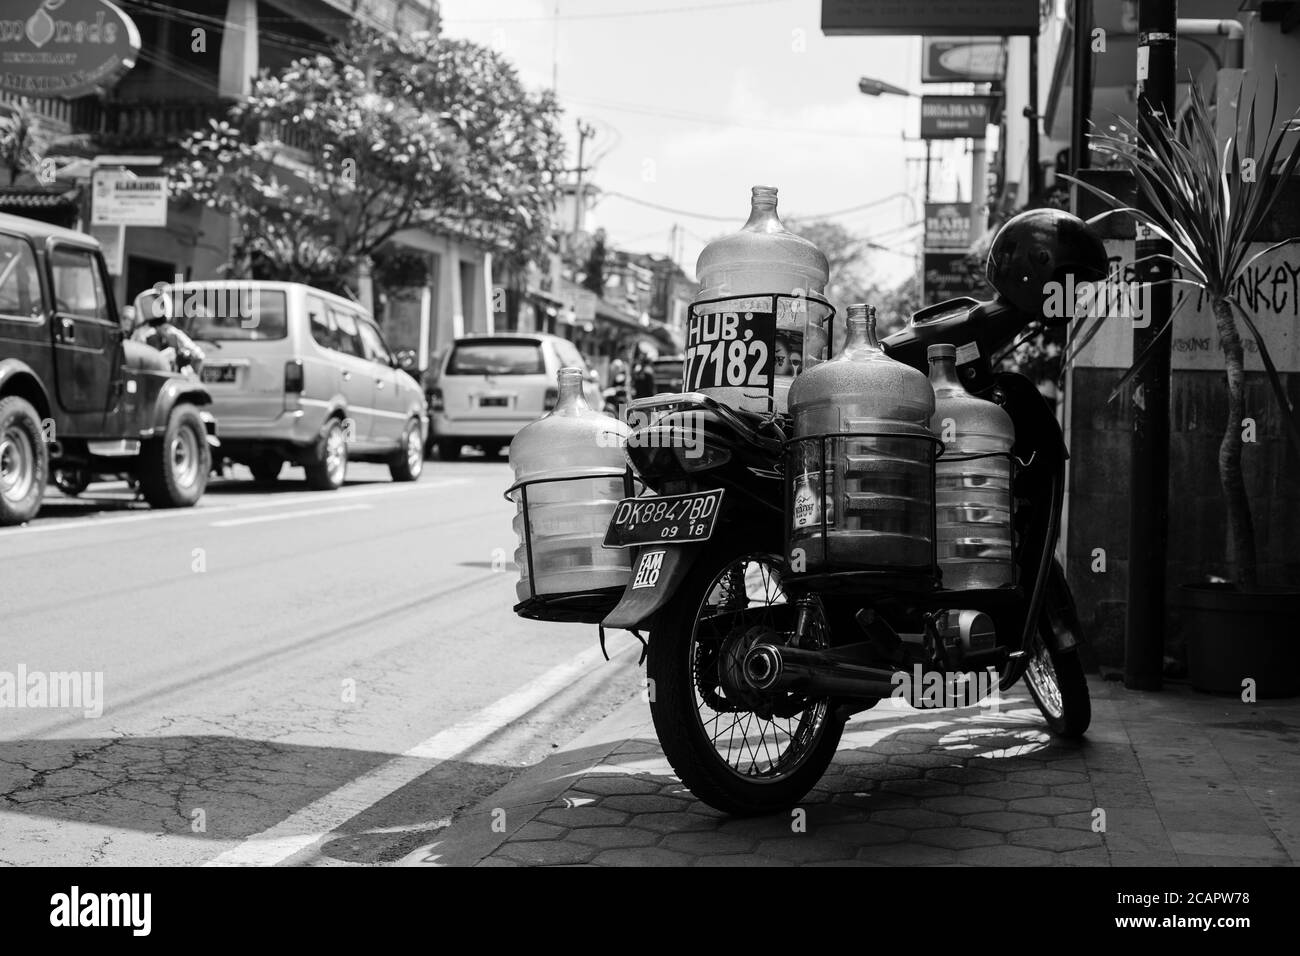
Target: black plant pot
(1233, 635)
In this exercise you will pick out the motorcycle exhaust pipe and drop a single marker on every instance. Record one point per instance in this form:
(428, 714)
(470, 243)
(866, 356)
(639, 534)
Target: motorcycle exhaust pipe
(768, 667)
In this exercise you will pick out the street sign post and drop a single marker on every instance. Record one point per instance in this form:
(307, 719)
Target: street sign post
(956, 117)
(121, 198)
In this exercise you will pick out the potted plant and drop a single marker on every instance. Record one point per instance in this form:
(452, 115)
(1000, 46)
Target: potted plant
(1209, 205)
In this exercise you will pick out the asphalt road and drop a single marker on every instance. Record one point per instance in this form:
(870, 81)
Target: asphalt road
(287, 676)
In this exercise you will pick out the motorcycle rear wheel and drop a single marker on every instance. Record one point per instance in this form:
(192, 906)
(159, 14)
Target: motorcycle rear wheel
(785, 742)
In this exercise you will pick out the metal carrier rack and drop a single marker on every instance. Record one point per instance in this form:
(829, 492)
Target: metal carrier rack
(580, 607)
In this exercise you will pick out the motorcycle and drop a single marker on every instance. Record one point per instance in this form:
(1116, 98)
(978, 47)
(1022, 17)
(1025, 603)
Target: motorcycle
(754, 664)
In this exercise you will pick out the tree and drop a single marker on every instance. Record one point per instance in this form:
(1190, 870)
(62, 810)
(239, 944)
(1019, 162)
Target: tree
(397, 133)
(593, 277)
(21, 144)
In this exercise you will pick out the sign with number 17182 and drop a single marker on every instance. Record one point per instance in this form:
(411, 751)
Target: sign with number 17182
(729, 342)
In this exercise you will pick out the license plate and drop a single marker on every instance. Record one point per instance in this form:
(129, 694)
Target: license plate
(498, 401)
(670, 519)
(219, 373)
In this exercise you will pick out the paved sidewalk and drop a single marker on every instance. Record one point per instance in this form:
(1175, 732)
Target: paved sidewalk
(1179, 778)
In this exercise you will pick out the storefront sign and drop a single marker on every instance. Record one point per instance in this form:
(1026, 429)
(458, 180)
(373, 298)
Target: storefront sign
(64, 48)
(947, 225)
(962, 60)
(120, 198)
(930, 17)
(955, 117)
(950, 274)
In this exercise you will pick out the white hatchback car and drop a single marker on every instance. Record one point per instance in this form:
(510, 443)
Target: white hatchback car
(488, 387)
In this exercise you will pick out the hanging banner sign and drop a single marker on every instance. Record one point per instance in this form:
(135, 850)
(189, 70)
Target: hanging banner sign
(930, 17)
(962, 60)
(64, 48)
(956, 117)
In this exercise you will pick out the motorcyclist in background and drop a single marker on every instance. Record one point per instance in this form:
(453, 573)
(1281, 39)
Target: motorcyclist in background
(159, 332)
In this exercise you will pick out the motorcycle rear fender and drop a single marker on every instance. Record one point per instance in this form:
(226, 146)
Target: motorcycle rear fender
(657, 571)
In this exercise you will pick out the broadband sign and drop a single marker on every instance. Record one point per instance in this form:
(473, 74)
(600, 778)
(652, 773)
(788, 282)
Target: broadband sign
(955, 117)
(64, 48)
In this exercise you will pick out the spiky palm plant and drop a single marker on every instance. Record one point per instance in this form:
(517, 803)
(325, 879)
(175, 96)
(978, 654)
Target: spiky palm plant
(1209, 204)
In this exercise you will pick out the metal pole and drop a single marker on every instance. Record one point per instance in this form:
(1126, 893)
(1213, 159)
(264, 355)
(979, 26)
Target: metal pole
(1082, 90)
(1035, 169)
(1144, 636)
(927, 169)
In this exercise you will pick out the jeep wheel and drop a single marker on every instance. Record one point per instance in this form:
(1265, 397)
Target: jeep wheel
(24, 461)
(327, 470)
(408, 463)
(174, 467)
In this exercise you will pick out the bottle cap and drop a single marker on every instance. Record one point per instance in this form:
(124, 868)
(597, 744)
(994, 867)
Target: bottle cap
(937, 353)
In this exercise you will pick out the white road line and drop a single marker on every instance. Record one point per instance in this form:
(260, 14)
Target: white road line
(235, 522)
(204, 511)
(318, 819)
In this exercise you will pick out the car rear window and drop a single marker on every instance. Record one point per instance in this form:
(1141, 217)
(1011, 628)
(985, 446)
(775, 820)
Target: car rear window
(496, 358)
(220, 314)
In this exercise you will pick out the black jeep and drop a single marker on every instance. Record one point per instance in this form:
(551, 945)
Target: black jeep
(74, 393)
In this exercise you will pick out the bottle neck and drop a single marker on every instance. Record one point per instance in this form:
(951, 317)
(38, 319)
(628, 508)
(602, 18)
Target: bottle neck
(861, 332)
(571, 398)
(943, 376)
(762, 212)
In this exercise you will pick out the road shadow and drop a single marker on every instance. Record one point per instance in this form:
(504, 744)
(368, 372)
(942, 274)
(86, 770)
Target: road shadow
(220, 788)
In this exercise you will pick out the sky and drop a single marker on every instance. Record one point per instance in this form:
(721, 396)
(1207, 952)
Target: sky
(694, 103)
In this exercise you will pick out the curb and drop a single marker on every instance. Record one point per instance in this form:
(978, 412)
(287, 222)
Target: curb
(479, 832)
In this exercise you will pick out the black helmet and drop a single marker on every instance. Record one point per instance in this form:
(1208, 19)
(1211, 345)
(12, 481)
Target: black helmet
(1041, 246)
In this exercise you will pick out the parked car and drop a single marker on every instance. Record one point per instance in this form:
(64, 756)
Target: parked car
(302, 376)
(74, 393)
(488, 387)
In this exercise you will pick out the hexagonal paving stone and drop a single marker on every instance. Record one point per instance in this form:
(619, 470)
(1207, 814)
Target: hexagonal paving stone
(924, 760)
(1074, 791)
(611, 784)
(914, 819)
(957, 838)
(1006, 790)
(1052, 806)
(803, 848)
(860, 834)
(585, 816)
(906, 854)
(497, 861)
(1097, 856)
(1004, 821)
(963, 775)
(1048, 777)
(1074, 821)
(962, 803)
(534, 830)
(678, 822)
(614, 837)
(642, 856)
(642, 803)
(547, 852)
(921, 787)
(710, 842)
(1053, 838)
(745, 860)
(1005, 856)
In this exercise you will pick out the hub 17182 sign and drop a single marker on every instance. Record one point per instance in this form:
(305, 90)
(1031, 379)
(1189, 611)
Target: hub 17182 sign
(955, 117)
(64, 48)
(930, 17)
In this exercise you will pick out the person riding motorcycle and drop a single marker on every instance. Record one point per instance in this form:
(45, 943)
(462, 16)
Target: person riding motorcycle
(176, 347)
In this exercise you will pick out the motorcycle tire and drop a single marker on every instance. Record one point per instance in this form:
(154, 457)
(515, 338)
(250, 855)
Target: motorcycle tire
(1055, 678)
(683, 673)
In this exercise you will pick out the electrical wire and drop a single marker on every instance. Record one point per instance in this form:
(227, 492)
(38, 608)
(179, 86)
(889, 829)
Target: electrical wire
(732, 218)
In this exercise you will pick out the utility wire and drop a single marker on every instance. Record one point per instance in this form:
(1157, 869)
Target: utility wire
(619, 14)
(733, 218)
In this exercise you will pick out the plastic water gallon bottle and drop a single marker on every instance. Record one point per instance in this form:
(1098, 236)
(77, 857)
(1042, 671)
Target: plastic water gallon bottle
(877, 489)
(568, 518)
(763, 258)
(972, 494)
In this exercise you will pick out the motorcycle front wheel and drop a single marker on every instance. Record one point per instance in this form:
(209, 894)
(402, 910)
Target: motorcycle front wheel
(740, 751)
(1056, 679)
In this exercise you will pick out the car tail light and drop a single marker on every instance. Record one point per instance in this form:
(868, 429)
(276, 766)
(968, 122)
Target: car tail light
(293, 376)
(435, 400)
(552, 398)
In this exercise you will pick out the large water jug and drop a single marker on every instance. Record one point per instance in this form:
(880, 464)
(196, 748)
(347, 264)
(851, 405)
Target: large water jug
(876, 492)
(567, 518)
(747, 353)
(973, 480)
